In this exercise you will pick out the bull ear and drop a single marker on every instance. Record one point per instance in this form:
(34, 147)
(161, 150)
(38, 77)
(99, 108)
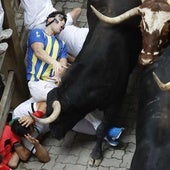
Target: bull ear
(162, 86)
(54, 115)
(118, 19)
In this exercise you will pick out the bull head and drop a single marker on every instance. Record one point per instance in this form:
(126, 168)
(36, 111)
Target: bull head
(155, 26)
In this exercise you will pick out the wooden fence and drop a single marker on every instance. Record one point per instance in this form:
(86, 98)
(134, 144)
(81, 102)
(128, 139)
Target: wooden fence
(12, 65)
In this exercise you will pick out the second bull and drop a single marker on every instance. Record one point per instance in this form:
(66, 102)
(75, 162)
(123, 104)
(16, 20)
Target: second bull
(153, 119)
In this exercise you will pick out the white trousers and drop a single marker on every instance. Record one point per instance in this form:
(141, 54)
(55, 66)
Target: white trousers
(39, 89)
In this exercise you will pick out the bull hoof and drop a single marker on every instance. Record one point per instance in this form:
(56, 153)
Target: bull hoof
(94, 163)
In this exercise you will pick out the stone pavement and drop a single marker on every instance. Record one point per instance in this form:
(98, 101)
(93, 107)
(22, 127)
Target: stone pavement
(72, 153)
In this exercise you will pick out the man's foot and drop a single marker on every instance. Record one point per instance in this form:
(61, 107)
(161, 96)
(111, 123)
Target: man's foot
(75, 13)
(3, 47)
(113, 135)
(115, 132)
(110, 141)
(5, 34)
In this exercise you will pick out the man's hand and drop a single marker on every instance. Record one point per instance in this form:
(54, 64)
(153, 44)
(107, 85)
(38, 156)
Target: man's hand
(32, 140)
(26, 121)
(57, 69)
(40, 152)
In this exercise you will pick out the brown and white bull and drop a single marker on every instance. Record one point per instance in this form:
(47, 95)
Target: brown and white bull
(155, 26)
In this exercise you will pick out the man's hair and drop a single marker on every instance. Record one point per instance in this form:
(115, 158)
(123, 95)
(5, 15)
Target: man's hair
(20, 130)
(53, 14)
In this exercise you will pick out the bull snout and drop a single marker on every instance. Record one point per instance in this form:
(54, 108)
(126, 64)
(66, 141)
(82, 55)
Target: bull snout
(147, 58)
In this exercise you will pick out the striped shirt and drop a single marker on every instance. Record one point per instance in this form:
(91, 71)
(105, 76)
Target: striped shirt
(56, 48)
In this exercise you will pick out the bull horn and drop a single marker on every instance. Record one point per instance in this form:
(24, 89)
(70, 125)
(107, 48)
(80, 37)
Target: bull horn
(168, 1)
(162, 86)
(118, 19)
(54, 115)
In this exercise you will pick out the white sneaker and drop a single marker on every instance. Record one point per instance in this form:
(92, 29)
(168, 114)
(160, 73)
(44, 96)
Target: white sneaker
(3, 47)
(5, 34)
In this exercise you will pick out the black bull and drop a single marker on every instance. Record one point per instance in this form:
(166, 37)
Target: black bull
(99, 76)
(153, 120)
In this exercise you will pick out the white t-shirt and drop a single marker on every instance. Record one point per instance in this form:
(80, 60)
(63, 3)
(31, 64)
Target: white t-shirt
(36, 12)
(74, 38)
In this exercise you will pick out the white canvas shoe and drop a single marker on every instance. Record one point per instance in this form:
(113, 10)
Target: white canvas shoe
(5, 34)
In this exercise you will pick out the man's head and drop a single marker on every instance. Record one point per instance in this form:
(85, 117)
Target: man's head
(56, 21)
(20, 130)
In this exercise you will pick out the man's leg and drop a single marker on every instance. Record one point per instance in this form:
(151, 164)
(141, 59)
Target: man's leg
(88, 125)
(39, 89)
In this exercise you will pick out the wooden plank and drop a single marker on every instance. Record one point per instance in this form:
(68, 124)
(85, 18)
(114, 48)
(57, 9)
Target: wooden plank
(6, 100)
(17, 3)
(14, 59)
(2, 59)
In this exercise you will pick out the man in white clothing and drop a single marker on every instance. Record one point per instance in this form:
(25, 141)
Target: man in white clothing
(35, 17)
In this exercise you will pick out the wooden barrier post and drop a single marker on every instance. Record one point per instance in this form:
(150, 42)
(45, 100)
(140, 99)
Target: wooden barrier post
(14, 59)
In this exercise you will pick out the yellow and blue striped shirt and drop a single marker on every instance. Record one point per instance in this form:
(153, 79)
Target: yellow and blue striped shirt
(56, 48)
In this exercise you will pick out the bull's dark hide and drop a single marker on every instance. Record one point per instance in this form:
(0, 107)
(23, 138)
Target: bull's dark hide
(153, 123)
(98, 78)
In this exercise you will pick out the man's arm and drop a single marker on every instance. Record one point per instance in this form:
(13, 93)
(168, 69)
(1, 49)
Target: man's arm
(63, 62)
(41, 54)
(40, 152)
